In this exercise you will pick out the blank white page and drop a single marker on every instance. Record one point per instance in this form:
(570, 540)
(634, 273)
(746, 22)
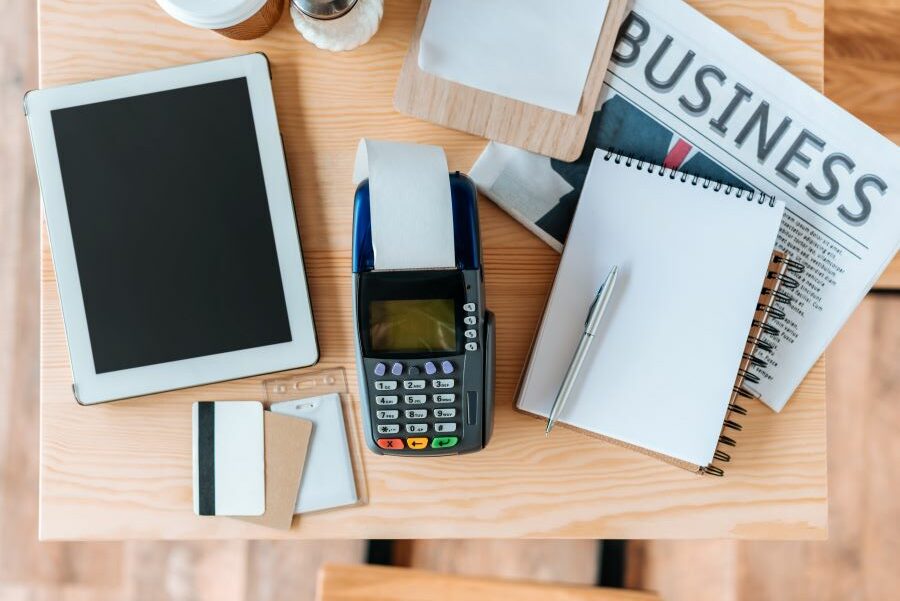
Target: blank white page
(529, 50)
(691, 266)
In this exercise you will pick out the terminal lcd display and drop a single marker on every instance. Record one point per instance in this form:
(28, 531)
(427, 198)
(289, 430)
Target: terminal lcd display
(410, 326)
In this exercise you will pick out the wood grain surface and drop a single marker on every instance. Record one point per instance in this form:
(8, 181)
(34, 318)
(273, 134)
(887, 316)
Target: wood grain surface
(862, 58)
(890, 279)
(364, 583)
(556, 561)
(495, 117)
(859, 559)
(854, 563)
(862, 72)
(122, 470)
(96, 571)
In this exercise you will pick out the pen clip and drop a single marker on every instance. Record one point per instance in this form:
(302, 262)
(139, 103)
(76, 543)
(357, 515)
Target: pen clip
(590, 310)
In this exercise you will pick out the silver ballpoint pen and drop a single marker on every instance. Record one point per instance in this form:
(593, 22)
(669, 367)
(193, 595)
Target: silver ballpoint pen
(595, 314)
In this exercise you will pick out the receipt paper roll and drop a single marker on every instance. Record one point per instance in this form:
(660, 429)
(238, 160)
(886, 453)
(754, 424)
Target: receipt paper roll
(409, 197)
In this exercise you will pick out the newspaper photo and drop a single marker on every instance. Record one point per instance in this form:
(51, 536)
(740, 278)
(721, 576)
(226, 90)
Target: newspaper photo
(682, 92)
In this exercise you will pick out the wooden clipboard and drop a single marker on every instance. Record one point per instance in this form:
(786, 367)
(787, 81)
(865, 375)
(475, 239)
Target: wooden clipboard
(501, 119)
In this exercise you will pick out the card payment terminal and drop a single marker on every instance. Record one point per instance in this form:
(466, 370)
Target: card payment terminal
(424, 341)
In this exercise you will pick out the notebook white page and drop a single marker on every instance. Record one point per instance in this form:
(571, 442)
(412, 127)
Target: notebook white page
(691, 266)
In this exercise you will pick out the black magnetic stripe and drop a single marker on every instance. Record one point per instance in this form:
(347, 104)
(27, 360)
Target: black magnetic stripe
(206, 457)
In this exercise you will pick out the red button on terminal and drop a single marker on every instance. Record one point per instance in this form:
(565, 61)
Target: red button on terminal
(390, 443)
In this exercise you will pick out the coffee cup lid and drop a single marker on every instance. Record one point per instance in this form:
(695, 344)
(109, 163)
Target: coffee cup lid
(211, 14)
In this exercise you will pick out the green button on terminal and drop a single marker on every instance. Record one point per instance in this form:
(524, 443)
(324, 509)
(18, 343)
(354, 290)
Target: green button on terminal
(444, 442)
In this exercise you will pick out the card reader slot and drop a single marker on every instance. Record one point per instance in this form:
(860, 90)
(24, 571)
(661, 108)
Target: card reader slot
(471, 407)
(489, 367)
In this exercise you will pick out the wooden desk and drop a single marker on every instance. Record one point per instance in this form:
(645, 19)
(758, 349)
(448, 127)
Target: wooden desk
(363, 583)
(123, 470)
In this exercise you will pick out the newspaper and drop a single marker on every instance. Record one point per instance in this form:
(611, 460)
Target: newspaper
(682, 92)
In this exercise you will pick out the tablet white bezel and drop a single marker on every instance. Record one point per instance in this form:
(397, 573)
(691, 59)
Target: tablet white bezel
(91, 387)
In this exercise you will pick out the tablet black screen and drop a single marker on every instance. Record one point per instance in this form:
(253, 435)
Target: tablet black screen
(171, 226)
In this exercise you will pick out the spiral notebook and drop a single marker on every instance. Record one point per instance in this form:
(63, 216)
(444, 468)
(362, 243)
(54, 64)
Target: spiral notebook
(697, 294)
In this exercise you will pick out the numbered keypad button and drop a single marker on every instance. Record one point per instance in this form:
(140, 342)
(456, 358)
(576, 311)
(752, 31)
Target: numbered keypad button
(414, 384)
(469, 307)
(416, 428)
(388, 428)
(444, 413)
(415, 413)
(386, 400)
(414, 399)
(385, 385)
(448, 383)
(387, 414)
(443, 398)
(445, 427)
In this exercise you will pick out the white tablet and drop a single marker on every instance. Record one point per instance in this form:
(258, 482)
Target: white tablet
(172, 228)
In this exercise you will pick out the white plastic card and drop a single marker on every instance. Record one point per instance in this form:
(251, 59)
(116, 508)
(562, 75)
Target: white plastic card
(229, 458)
(328, 478)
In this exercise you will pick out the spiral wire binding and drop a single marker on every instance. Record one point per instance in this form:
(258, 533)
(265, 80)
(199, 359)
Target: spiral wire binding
(757, 342)
(766, 328)
(737, 409)
(786, 280)
(760, 343)
(792, 266)
(781, 297)
(770, 312)
(748, 376)
(754, 360)
(694, 180)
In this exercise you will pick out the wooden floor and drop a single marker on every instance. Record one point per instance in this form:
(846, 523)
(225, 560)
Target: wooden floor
(858, 562)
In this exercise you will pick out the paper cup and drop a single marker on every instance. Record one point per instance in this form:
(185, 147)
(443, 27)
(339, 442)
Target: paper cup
(235, 19)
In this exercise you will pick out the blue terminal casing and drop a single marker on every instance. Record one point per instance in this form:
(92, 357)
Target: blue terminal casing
(418, 417)
(465, 225)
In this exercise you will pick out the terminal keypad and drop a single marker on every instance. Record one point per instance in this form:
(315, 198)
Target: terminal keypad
(418, 404)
